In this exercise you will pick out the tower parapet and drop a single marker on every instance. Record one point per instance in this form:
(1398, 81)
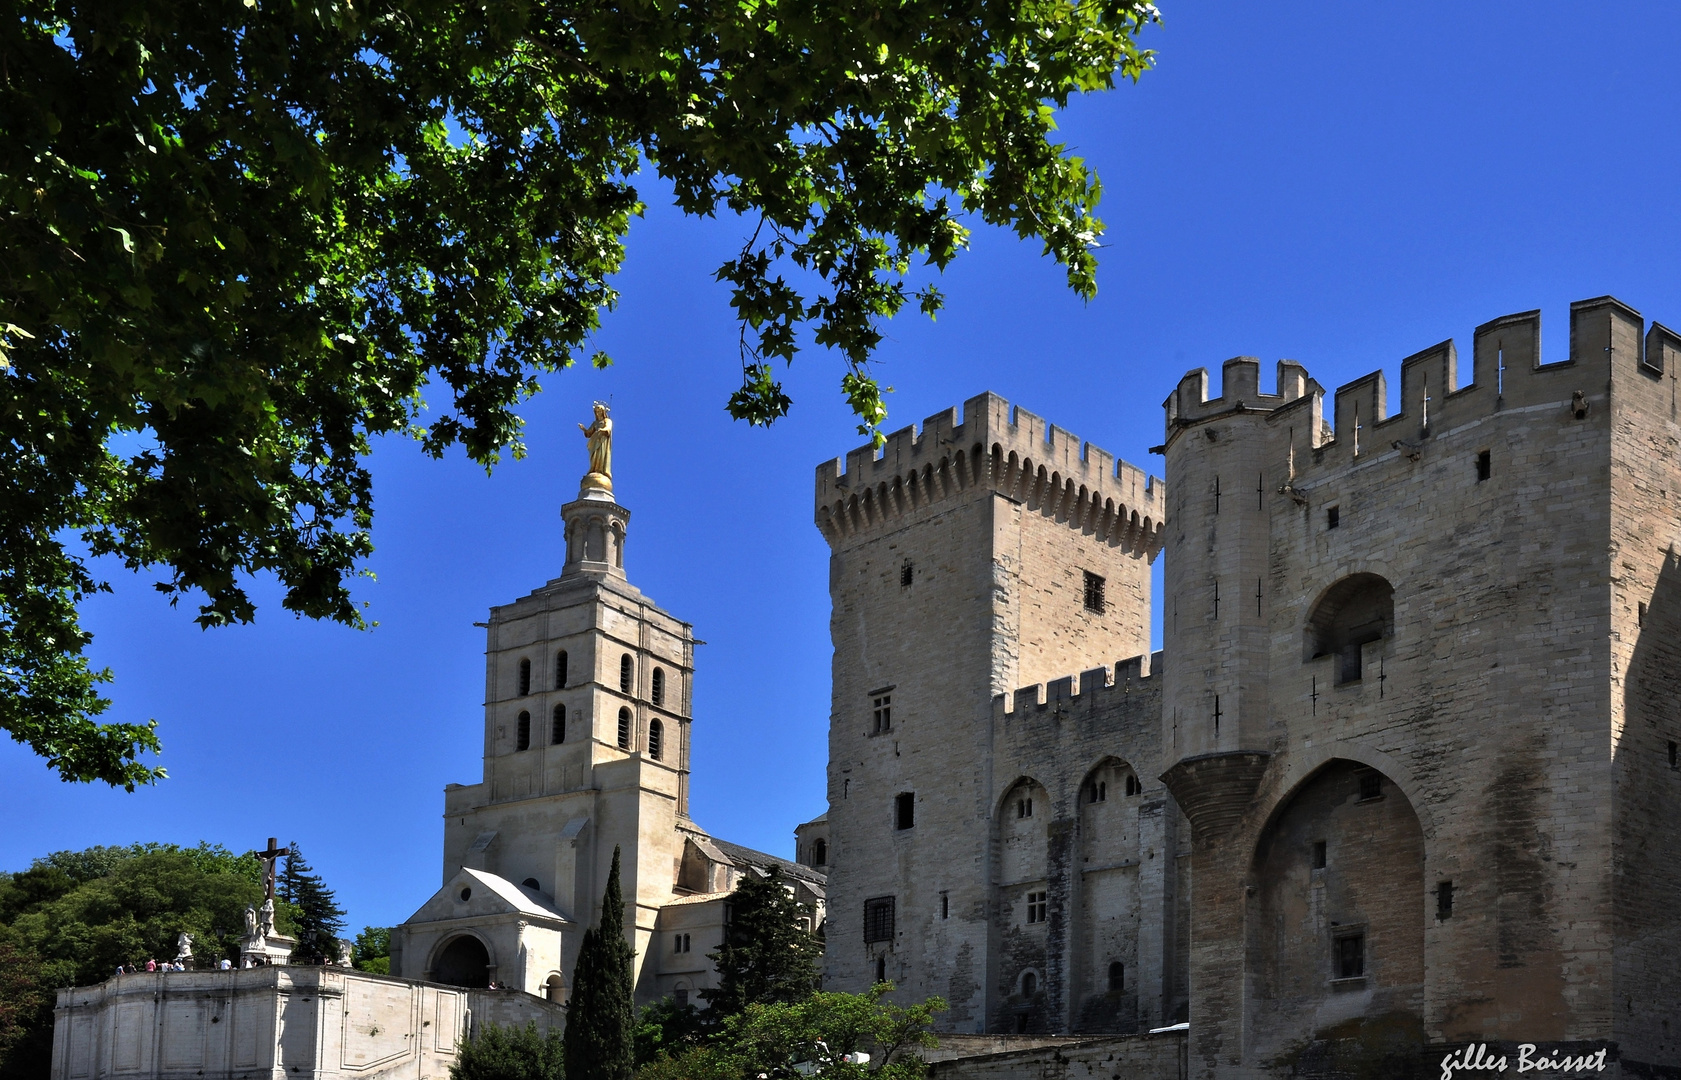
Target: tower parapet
(1001, 447)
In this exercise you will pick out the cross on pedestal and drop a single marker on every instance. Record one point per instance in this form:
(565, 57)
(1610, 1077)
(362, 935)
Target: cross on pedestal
(270, 857)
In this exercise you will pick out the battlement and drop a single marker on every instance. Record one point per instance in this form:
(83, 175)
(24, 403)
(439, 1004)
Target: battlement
(1092, 688)
(1607, 337)
(1001, 448)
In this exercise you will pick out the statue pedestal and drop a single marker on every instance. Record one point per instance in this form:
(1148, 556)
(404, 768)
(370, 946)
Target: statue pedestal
(266, 950)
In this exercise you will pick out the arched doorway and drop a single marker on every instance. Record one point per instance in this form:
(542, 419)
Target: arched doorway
(463, 961)
(1336, 909)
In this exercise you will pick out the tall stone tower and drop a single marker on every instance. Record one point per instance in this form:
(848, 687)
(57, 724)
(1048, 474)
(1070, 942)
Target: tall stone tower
(982, 554)
(1420, 701)
(586, 747)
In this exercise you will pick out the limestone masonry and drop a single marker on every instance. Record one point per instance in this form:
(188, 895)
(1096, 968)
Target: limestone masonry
(1405, 772)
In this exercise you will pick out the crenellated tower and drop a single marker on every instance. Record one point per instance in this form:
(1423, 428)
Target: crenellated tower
(982, 553)
(1424, 754)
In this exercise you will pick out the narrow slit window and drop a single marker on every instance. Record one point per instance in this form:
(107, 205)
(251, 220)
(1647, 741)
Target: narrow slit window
(1117, 977)
(1444, 899)
(1640, 615)
(524, 678)
(624, 729)
(945, 906)
(1485, 466)
(1672, 753)
(656, 740)
(560, 670)
(907, 574)
(658, 689)
(524, 739)
(557, 725)
(1319, 854)
(627, 670)
(820, 853)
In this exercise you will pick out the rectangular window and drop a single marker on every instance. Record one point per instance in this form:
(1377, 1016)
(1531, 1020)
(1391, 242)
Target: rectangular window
(1333, 516)
(1319, 854)
(907, 573)
(945, 906)
(881, 713)
(1371, 785)
(1444, 899)
(1484, 466)
(878, 919)
(1351, 956)
(904, 810)
(1036, 905)
(1672, 750)
(1640, 615)
(1024, 808)
(1094, 593)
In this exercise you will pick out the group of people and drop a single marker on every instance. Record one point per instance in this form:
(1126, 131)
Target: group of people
(168, 965)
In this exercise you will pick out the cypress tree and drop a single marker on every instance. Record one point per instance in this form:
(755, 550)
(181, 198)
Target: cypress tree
(315, 912)
(766, 957)
(601, 1016)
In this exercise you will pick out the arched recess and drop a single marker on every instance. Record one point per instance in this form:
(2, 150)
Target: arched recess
(1335, 921)
(1107, 905)
(554, 988)
(463, 960)
(1357, 610)
(1021, 906)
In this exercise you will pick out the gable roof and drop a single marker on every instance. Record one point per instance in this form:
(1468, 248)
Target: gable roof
(489, 897)
(746, 856)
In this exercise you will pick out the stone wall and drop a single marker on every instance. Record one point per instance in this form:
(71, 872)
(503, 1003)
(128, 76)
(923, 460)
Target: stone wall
(326, 1023)
(1158, 1056)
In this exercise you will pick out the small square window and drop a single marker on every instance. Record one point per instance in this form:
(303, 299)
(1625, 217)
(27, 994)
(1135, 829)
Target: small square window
(1484, 466)
(1333, 516)
(1094, 593)
(1350, 956)
(1371, 785)
(878, 919)
(904, 810)
(1036, 907)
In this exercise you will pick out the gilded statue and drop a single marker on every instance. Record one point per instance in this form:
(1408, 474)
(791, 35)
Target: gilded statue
(600, 436)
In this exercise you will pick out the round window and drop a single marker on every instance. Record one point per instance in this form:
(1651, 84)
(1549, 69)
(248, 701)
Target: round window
(466, 894)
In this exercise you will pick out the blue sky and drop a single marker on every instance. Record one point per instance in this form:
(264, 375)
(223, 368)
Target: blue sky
(1328, 182)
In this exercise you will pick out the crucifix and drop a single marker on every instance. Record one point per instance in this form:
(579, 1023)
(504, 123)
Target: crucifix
(270, 857)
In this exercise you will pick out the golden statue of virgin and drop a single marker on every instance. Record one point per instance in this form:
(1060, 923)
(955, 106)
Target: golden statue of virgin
(600, 436)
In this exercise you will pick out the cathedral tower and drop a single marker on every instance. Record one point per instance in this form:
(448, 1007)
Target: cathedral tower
(586, 748)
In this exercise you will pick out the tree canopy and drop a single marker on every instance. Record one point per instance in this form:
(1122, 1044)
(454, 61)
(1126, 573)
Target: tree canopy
(316, 915)
(72, 917)
(238, 238)
(601, 1010)
(765, 956)
(820, 1035)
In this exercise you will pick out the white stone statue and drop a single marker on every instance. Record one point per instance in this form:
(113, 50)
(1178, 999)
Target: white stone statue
(250, 921)
(184, 946)
(265, 922)
(344, 953)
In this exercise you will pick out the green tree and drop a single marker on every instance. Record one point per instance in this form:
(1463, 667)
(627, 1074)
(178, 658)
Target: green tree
(820, 1035)
(73, 917)
(511, 1053)
(316, 916)
(238, 238)
(765, 956)
(666, 1028)
(601, 1015)
(372, 950)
